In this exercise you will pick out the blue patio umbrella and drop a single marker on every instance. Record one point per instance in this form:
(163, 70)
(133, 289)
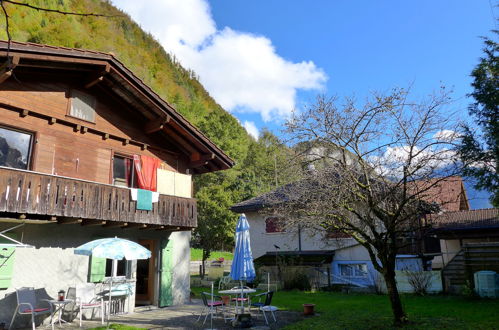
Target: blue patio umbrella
(116, 249)
(242, 268)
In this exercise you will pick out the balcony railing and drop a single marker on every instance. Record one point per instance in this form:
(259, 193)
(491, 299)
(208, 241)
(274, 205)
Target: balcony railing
(31, 193)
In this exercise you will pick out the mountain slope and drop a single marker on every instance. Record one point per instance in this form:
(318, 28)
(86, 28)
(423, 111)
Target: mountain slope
(138, 50)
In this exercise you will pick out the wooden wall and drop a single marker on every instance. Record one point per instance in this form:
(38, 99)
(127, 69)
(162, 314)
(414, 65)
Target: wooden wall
(61, 150)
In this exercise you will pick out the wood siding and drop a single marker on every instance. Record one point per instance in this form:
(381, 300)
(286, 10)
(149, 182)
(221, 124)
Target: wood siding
(63, 150)
(34, 195)
(472, 258)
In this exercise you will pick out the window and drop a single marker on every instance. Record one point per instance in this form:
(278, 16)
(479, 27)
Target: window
(274, 225)
(123, 171)
(353, 270)
(15, 148)
(82, 106)
(120, 267)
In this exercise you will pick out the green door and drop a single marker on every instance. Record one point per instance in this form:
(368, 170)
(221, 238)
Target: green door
(166, 273)
(7, 255)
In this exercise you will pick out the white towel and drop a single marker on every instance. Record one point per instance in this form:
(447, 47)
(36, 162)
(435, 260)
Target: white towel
(133, 195)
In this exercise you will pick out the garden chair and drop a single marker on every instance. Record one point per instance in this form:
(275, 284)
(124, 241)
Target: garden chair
(26, 305)
(265, 306)
(224, 281)
(85, 298)
(211, 307)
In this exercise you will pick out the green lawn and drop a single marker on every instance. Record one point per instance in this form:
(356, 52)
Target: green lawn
(364, 311)
(197, 255)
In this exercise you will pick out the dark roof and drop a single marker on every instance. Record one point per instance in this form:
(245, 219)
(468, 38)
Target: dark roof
(113, 74)
(257, 203)
(466, 220)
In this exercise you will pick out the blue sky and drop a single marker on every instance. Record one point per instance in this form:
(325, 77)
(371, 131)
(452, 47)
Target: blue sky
(370, 45)
(261, 59)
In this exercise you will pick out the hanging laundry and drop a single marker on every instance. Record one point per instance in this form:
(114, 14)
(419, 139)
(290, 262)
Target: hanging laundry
(133, 195)
(146, 168)
(144, 200)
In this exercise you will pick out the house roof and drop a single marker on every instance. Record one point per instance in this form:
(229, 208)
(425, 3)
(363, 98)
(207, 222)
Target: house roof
(257, 203)
(104, 69)
(449, 193)
(466, 220)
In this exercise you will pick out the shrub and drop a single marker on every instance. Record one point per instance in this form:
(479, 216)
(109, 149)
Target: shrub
(297, 280)
(420, 281)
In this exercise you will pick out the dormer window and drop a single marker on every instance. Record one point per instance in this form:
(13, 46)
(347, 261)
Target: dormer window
(82, 106)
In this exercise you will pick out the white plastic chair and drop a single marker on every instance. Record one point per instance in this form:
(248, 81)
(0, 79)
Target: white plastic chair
(268, 308)
(86, 299)
(26, 305)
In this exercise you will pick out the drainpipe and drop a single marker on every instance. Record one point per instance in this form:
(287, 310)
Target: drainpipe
(299, 237)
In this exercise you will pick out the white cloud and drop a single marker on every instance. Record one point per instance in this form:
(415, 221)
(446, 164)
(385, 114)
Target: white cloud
(242, 71)
(392, 162)
(446, 135)
(250, 127)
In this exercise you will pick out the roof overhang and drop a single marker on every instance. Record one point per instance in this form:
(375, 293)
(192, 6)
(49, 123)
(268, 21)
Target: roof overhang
(299, 258)
(106, 71)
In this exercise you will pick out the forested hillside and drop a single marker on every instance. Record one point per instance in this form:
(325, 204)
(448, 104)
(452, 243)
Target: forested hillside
(258, 162)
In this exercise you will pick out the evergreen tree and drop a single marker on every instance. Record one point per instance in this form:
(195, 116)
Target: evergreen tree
(480, 151)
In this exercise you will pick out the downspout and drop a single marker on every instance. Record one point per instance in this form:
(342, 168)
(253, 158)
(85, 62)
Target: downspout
(299, 237)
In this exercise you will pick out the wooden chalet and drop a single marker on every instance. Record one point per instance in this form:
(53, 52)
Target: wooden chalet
(71, 122)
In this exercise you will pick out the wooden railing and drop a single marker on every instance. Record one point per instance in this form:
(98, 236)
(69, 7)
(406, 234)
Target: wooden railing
(31, 193)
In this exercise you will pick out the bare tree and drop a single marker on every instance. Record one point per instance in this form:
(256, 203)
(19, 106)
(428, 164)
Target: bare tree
(360, 164)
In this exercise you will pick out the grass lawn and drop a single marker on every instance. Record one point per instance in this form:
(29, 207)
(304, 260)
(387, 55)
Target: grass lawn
(364, 311)
(197, 255)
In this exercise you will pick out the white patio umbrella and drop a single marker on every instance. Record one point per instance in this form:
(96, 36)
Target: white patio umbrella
(116, 249)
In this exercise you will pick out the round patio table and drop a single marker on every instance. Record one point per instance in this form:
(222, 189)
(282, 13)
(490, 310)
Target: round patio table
(236, 292)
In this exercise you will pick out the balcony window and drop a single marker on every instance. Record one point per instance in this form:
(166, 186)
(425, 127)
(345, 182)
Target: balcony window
(15, 148)
(123, 172)
(82, 106)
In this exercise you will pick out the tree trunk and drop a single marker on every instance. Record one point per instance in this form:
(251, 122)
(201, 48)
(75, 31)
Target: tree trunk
(399, 316)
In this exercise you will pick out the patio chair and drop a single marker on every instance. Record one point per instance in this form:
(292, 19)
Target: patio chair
(85, 298)
(26, 305)
(224, 281)
(211, 307)
(265, 306)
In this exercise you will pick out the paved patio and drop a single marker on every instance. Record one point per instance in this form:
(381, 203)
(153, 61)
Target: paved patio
(181, 317)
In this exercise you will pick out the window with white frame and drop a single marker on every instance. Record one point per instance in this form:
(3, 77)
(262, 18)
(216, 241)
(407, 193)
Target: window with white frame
(353, 270)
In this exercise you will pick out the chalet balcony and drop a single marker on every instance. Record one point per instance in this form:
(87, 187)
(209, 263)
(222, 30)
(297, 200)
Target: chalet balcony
(37, 196)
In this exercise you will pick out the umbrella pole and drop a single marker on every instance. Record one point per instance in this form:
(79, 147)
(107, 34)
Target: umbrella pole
(242, 302)
(113, 268)
(211, 311)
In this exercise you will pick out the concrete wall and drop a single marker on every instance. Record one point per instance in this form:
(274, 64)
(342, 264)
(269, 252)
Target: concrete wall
(262, 242)
(52, 265)
(181, 259)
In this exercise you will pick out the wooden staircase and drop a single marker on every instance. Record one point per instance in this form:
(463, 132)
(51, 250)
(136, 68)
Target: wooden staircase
(472, 257)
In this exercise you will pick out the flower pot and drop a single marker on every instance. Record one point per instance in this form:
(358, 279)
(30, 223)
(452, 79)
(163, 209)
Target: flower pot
(226, 300)
(308, 309)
